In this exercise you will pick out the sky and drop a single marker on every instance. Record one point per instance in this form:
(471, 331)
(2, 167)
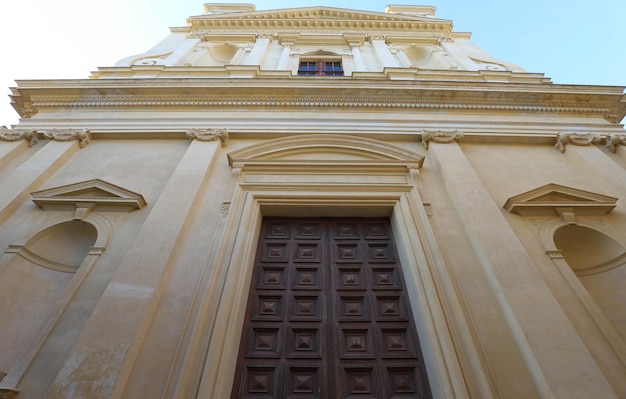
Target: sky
(570, 41)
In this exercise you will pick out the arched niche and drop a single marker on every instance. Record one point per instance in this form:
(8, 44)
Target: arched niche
(218, 54)
(32, 282)
(588, 251)
(64, 246)
(41, 273)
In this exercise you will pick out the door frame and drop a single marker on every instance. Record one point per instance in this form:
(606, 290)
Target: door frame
(405, 212)
(269, 180)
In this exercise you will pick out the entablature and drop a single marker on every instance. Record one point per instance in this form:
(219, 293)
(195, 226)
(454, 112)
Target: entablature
(297, 92)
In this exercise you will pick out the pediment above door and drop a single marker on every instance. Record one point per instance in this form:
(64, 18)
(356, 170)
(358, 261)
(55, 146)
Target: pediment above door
(324, 150)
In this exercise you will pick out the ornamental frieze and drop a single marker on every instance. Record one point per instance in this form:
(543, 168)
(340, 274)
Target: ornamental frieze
(409, 102)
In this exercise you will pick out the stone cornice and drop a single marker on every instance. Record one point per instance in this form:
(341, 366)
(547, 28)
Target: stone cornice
(307, 93)
(318, 101)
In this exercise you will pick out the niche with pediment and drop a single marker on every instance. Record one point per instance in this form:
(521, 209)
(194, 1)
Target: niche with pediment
(41, 272)
(308, 165)
(581, 243)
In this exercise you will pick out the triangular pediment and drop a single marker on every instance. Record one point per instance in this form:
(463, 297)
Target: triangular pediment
(310, 17)
(321, 12)
(553, 199)
(325, 149)
(96, 191)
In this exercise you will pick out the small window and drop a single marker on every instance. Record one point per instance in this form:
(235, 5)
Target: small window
(320, 68)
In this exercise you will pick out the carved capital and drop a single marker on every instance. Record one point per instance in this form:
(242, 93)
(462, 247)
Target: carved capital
(17, 135)
(83, 136)
(562, 139)
(440, 137)
(613, 140)
(209, 135)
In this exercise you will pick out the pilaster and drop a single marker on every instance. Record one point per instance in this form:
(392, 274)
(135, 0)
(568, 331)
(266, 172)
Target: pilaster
(456, 56)
(386, 59)
(113, 336)
(30, 174)
(608, 175)
(255, 56)
(553, 352)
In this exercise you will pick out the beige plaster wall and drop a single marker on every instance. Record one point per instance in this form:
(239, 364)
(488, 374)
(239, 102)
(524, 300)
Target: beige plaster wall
(27, 295)
(507, 170)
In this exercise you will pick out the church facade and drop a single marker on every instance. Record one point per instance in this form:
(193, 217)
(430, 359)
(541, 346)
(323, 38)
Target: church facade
(313, 203)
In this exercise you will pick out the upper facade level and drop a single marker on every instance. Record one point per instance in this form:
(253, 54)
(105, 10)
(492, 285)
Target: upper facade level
(237, 41)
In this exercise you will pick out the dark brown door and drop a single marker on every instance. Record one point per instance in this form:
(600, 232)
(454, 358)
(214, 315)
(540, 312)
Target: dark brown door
(328, 315)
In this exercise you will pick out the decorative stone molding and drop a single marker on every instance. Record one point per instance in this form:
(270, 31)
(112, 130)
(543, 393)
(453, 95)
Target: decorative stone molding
(613, 140)
(18, 134)
(555, 254)
(603, 267)
(282, 151)
(40, 260)
(83, 136)
(225, 207)
(275, 98)
(440, 136)
(562, 139)
(354, 39)
(209, 135)
(613, 118)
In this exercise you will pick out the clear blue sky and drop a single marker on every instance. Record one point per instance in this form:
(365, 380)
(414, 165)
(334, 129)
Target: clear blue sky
(572, 42)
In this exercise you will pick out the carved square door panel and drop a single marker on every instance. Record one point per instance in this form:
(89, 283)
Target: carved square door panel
(328, 315)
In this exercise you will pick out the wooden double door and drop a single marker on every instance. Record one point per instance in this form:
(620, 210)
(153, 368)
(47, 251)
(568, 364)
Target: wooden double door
(328, 315)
